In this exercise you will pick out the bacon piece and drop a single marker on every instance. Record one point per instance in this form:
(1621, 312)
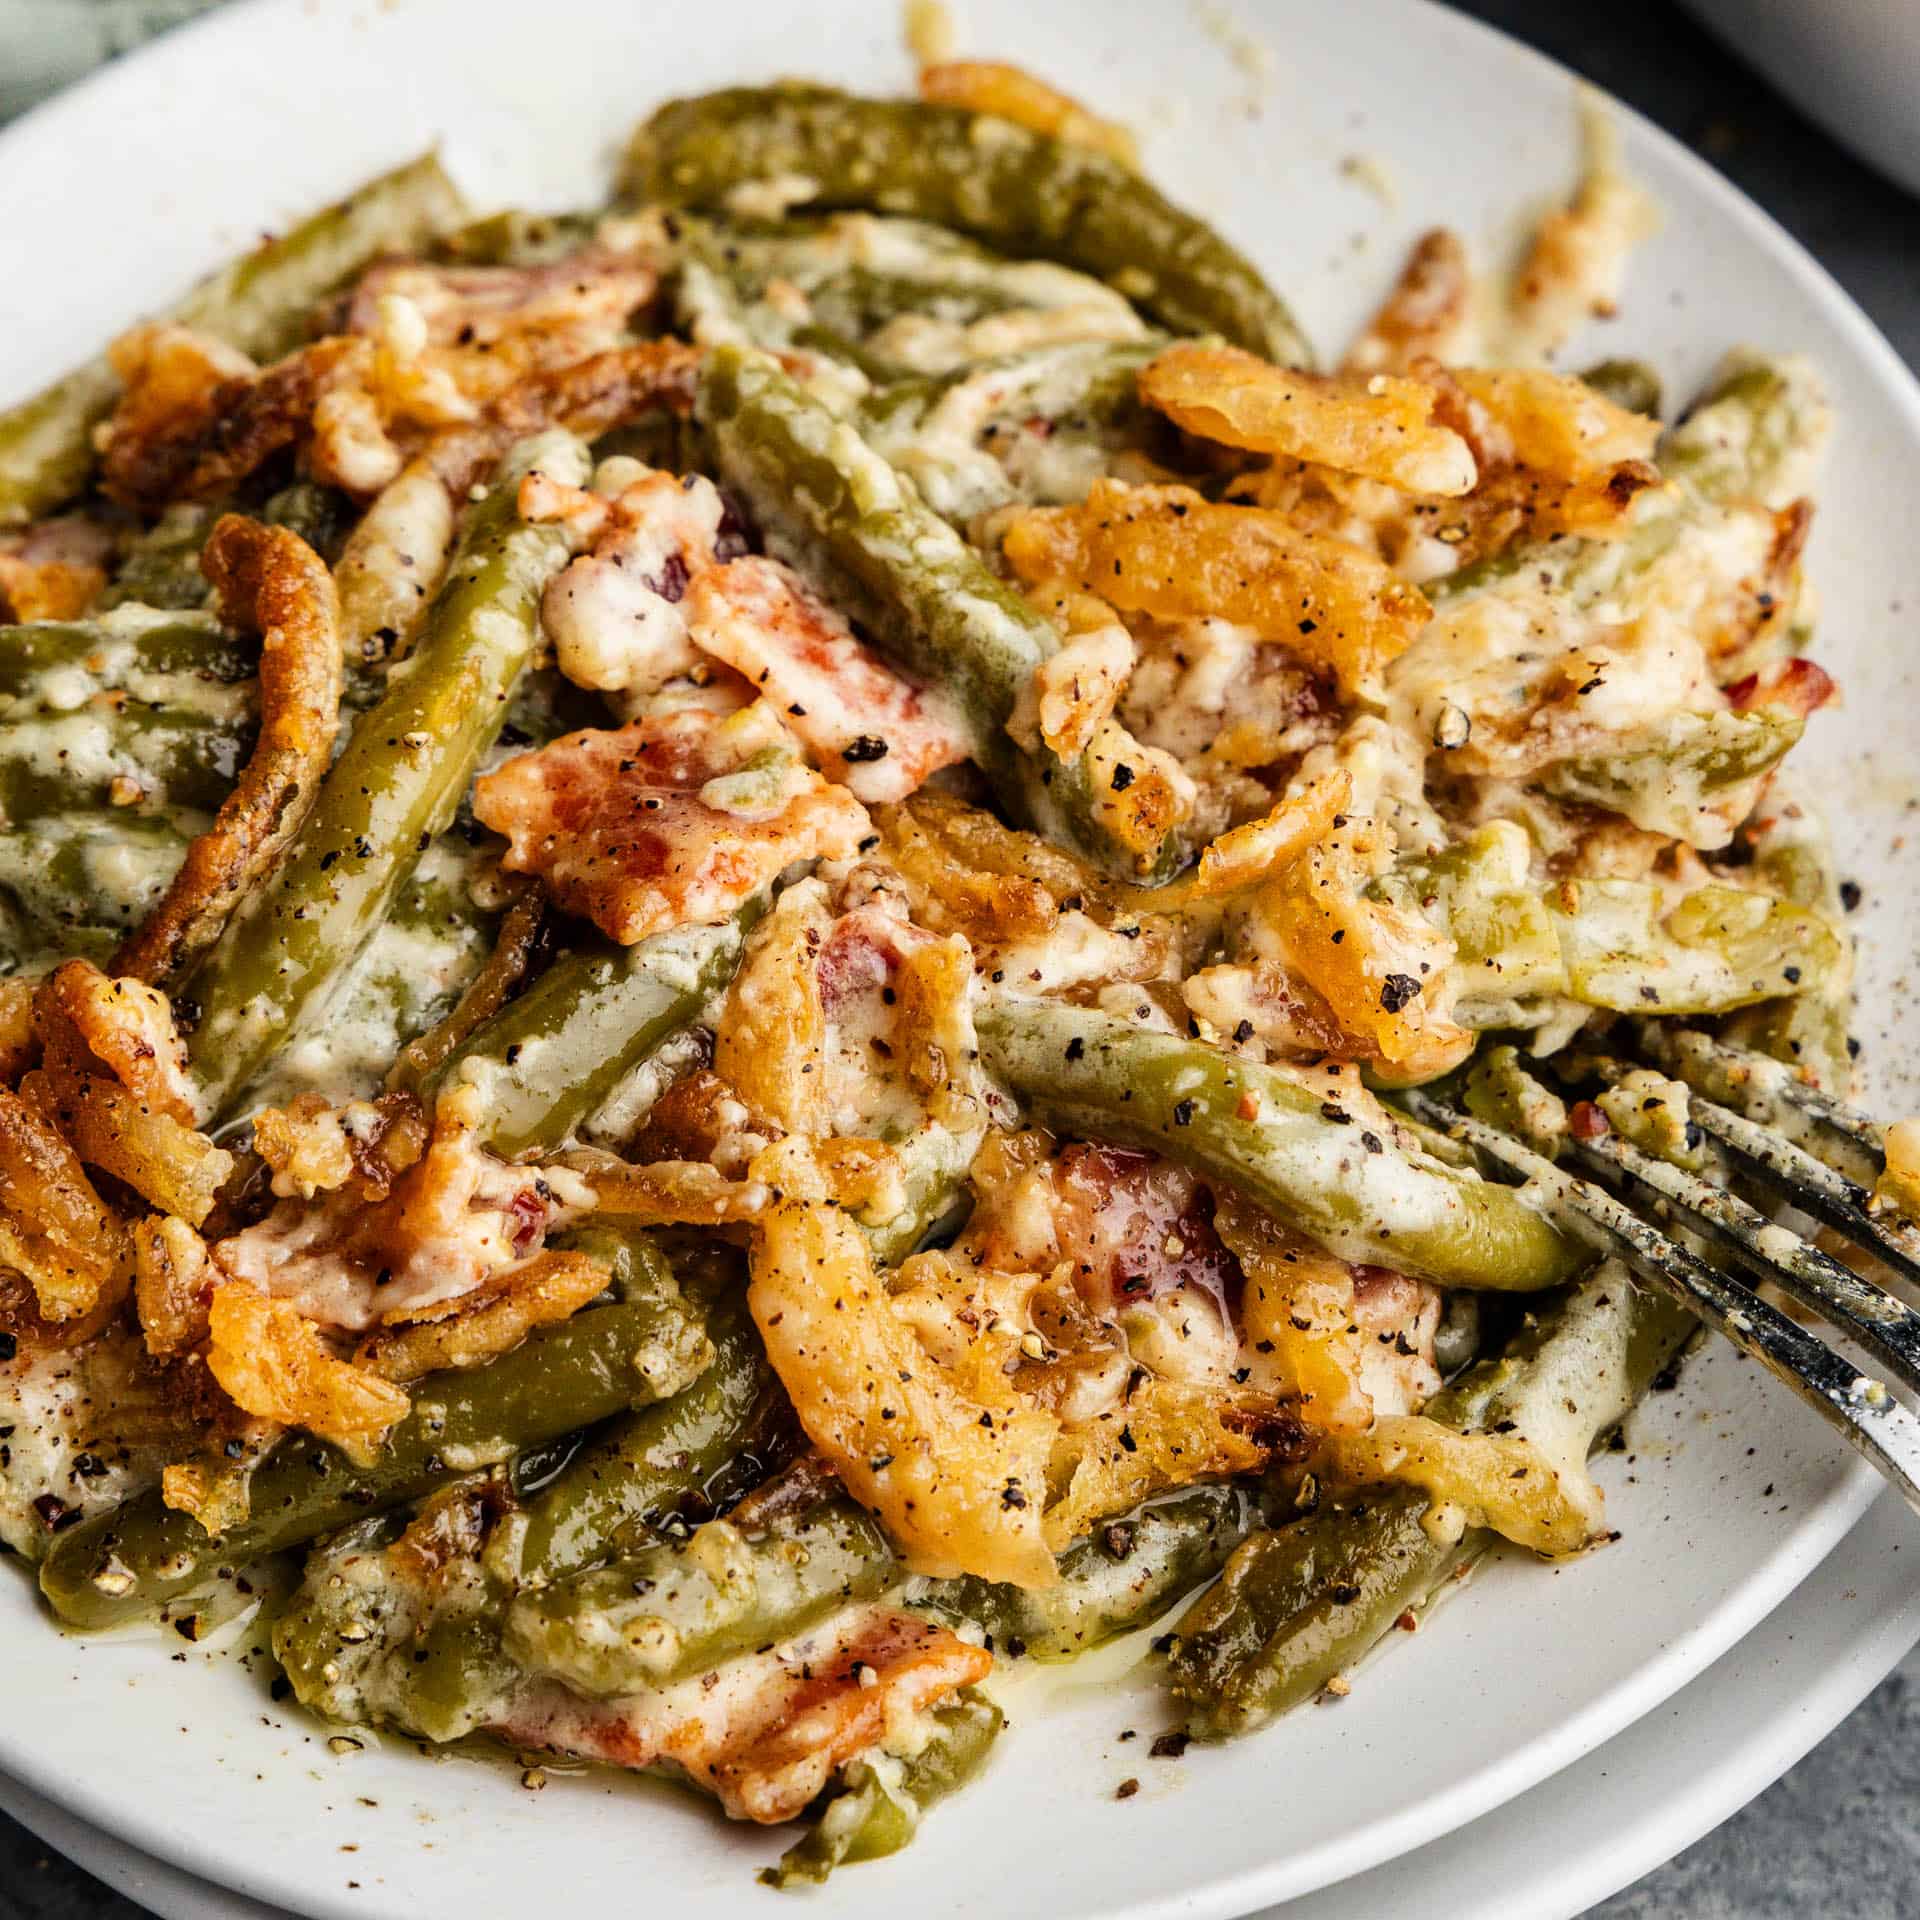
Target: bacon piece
(615, 615)
(485, 327)
(54, 570)
(871, 728)
(673, 821)
(766, 1732)
(1799, 686)
(1136, 1227)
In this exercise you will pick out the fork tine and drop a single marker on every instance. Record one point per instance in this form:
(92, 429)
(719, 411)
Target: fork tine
(1887, 1327)
(1811, 1185)
(1784, 1168)
(1770, 1093)
(1860, 1407)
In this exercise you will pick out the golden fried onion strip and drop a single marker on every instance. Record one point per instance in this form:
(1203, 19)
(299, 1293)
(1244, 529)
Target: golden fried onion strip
(268, 579)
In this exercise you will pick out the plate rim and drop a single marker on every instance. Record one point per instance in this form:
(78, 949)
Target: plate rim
(1822, 1697)
(1688, 1655)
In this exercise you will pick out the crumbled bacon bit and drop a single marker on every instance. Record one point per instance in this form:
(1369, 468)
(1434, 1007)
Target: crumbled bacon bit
(672, 821)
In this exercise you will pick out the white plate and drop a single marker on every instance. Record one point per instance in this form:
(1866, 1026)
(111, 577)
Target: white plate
(158, 167)
(1549, 1854)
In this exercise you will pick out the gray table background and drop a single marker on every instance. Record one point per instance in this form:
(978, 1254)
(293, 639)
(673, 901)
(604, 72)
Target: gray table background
(1841, 1831)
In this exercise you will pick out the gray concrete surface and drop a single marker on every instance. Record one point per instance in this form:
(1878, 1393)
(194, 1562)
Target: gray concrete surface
(1841, 1832)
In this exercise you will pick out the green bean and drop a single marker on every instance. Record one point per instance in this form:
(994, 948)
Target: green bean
(549, 1059)
(68, 762)
(681, 1607)
(1717, 949)
(1298, 1606)
(858, 276)
(1023, 193)
(1667, 777)
(1355, 1189)
(259, 303)
(934, 1163)
(321, 516)
(55, 665)
(1632, 384)
(404, 770)
(1752, 436)
(130, 1562)
(1482, 894)
(161, 567)
(1791, 858)
(1035, 427)
(515, 238)
(1123, 1576)
(1749, 436)
(364, 1641)
(1629, 946)
(841, 513)
(1499, 1090)
(645, 1466)
(879, 1802)
(79, 883)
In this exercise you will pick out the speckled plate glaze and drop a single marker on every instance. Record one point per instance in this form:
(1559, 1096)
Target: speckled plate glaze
(156, 169)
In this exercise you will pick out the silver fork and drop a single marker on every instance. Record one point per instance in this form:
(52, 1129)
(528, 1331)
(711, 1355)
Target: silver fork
(1762, 1124)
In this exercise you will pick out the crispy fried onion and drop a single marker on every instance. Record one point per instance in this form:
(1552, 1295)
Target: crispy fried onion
(273, 1363)
(1250, 855)
(841, 1027)
(1077, 689)
(514, 950)
(1011, 893)
(1310, 930)
(88, 1023)
(19, 1042)
(270, 580)
(217, 1488)
(1170, 552)
(1140, 793)
(667, 1193)
(1011, 93)
(1499, 1480)
(948, 1457)
(392, 561)
(1427, 313)
(1897, 1191)
(490, 1321)
(53, 571)
(770, 1042)
(1378, 425)
(1166, 1435)
(173, 1282)
(168, 1164)
(362, 1147)
(54, 1228)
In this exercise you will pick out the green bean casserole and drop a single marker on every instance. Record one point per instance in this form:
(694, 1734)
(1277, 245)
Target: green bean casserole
(710, 911)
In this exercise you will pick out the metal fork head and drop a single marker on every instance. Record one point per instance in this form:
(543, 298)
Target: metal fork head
(1858, 1404)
